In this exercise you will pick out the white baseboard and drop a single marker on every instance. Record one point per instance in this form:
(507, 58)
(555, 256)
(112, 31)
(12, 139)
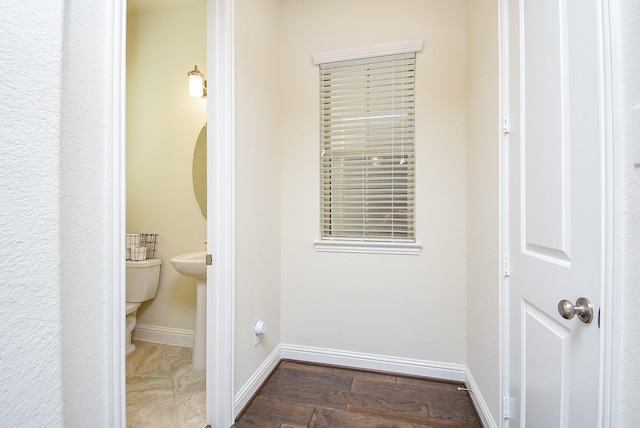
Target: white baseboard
(251, 387)
(405, 366)
(479, 402)
(168, 335)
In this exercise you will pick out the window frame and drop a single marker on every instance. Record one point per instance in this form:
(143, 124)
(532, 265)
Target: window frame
(362, 244)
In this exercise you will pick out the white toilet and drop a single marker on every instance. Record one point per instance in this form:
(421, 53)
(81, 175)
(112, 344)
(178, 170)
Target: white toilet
(143, 278)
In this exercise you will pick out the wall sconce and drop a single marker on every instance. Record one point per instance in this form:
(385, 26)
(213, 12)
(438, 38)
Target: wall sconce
(197, 83)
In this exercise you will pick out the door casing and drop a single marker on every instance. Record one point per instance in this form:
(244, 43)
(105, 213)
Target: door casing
(220, 206)
(219, 379)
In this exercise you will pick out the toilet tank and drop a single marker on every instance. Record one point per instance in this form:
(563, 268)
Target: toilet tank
(142, 280)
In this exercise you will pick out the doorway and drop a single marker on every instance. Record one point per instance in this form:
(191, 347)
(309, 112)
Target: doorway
(219, 378)
(163, 42)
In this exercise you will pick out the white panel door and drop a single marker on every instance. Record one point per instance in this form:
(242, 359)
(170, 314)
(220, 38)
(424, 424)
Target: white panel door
(555, 219)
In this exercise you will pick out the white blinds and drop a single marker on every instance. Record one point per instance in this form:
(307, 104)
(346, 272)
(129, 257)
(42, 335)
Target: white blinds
(367, 149)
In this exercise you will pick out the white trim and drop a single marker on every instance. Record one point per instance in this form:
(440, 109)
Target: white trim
(613, 237)
(374, 362)
(479, 402)
(503, 203)
(252, 386)
(160, 334)
(220, 206)
(613, 322)
(367, 247)
(115, 181)
(368, 51)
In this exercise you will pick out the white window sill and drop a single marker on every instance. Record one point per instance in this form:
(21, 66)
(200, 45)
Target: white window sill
(368, 247)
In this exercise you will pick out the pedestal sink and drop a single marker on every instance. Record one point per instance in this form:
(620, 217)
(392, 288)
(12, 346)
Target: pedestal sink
(193, 265)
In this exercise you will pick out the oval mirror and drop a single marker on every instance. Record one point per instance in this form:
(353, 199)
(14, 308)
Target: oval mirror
(200, 170)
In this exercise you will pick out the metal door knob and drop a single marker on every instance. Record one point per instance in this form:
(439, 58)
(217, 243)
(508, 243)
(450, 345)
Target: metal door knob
(583, 309)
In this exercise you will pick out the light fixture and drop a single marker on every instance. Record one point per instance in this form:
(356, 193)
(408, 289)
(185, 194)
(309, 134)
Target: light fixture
(197, 83)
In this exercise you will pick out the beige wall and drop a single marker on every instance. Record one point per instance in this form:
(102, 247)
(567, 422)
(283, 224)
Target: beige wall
(405, 306)
(483, 209)
(257, 183)
(163, 123)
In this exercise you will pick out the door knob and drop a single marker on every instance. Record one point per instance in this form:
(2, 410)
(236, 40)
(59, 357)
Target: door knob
(583, 309)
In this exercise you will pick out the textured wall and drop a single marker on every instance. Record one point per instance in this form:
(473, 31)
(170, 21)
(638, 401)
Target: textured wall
(381, 304)
(53, 222)
(163, 123)
(30, 111)
(483, 234)
(627, 22)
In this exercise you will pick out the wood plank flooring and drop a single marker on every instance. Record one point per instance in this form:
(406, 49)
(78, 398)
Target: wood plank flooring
(301, 395)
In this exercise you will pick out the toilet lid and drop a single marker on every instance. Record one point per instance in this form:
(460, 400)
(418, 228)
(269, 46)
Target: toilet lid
(131, 306)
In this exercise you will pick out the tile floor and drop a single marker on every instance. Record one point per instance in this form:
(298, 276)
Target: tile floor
(163, 390)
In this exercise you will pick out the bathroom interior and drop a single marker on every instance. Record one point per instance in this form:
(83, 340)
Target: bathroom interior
(164, 41)
(395, 306)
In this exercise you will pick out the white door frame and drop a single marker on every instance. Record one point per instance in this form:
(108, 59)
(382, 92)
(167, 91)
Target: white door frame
(611, 280)
(220, 231)
(116, 101)
(220, 206)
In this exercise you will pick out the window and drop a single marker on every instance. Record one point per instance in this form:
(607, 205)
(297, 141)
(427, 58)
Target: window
(367, 162)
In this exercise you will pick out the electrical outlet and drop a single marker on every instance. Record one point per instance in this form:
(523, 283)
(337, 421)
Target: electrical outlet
(259, 328)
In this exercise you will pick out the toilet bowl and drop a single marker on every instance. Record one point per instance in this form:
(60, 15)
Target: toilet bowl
(142, 282)
(130, 323)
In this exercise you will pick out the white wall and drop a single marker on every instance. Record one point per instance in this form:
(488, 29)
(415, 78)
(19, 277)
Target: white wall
(627, 72)
(30, 190)
(257, 183)
(85, 220)
(53, 192)
(483, 210)
(163, 123)
(405, 306)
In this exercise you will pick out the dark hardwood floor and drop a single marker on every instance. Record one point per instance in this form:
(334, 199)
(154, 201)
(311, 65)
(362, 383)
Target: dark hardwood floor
(306, 395)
